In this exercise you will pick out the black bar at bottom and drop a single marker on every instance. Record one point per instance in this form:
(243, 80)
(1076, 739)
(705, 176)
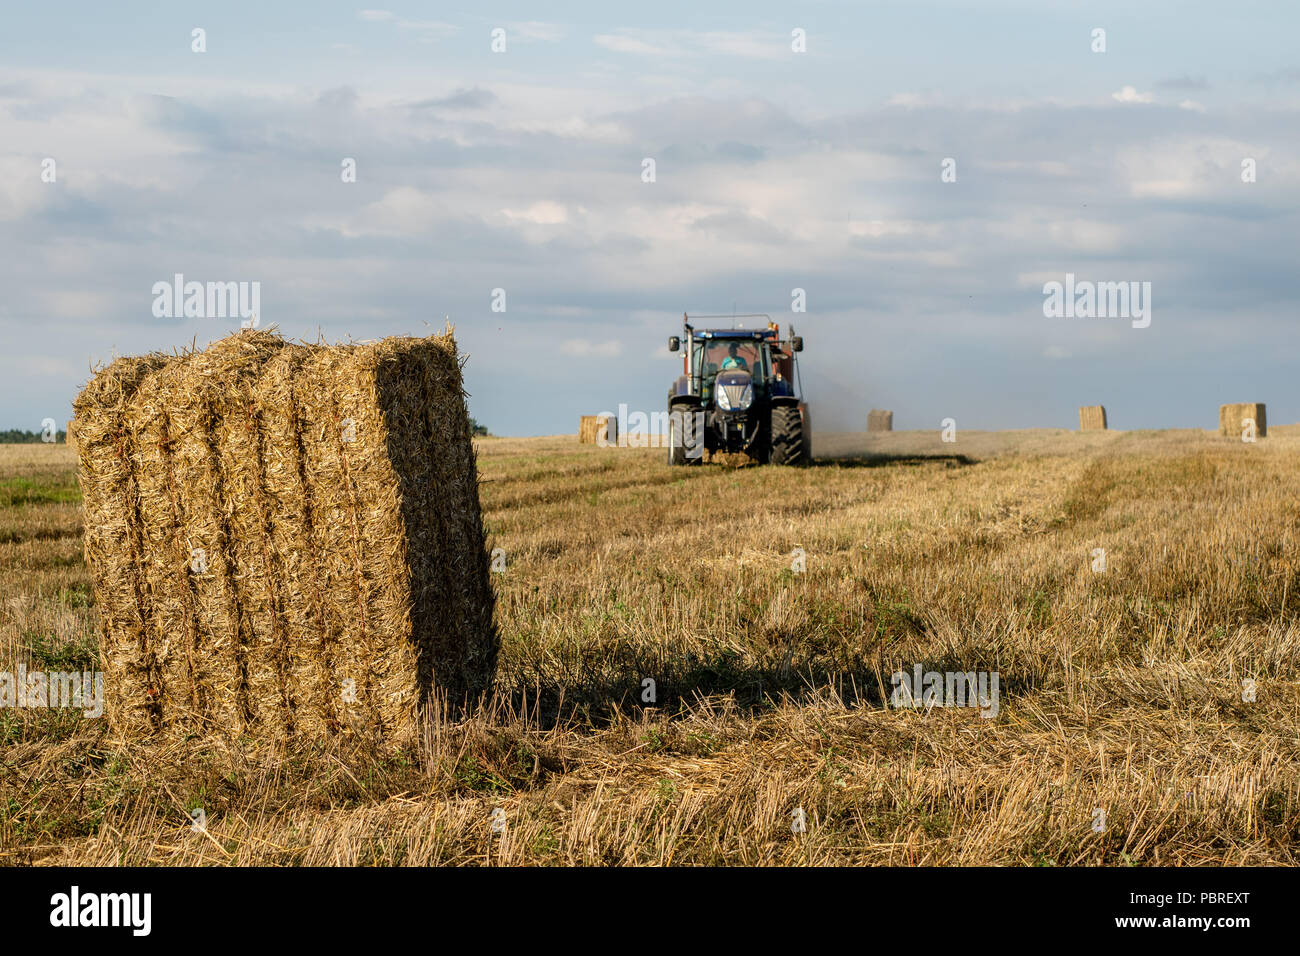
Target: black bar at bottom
(337, 906)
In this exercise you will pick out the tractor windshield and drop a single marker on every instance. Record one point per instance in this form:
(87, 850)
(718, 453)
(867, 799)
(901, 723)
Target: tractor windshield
(721, 355)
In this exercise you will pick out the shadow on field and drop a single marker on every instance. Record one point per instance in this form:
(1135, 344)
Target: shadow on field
(599, 699)
(600, 702)
(881, 459)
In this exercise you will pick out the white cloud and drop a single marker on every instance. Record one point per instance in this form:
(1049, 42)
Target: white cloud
(1036, 280)
(622, 43)
(756, 46)
(915, 100)
(541, 194)
(45, 366)
(882, 228)
(534, 31)
(1086, 235)
(1192, 105)
(543, 213)
(427, 30)
(1129, 94)
(751, 44)
(1181, 167)
(404, 211)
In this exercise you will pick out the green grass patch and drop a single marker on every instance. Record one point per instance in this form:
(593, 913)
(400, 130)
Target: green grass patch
(25, 491)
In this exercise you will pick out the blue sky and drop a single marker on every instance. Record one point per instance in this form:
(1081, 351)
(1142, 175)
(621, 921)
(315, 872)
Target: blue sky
(775, 170)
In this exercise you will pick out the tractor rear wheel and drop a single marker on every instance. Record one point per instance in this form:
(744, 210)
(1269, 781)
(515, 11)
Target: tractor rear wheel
(788, 446)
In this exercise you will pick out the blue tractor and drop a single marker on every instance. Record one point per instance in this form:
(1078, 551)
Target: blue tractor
(739, 391)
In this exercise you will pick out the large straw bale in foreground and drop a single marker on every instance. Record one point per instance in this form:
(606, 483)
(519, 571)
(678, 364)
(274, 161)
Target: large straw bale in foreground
(1092, 418)
(285, 539)
(1231, 417)
(880, 420)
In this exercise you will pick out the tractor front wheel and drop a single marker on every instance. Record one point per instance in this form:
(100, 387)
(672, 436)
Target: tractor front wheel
(678, 411)
(788, 446)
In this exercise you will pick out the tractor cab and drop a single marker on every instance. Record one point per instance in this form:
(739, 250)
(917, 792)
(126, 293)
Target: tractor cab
(714, 354)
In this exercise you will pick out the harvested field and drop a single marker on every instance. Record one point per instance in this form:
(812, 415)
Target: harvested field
(1120, 691)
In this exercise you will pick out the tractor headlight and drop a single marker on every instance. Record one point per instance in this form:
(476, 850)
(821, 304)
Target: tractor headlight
(735, 398)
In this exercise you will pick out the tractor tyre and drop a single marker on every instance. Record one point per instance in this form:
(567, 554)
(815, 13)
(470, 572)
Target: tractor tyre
(788, 447)
(676, 443)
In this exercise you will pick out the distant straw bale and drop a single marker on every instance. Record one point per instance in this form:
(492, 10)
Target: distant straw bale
(1231, 418)
(1092, 418)
(880, 421)
(285, 539)
(69, 439)
(590, 428)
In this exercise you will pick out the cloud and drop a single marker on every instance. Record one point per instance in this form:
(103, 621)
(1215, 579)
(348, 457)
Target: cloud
(534, 31)
(624, 43)
(1191, 105)
(404, 211)
(682, 44)
(427, 30)
(1130, 94)
(544, 213)
(534, 187)
(740, 152)
(910, 100)
(341, 99)
(1185, 166)
(462, 99)
(1286, 76)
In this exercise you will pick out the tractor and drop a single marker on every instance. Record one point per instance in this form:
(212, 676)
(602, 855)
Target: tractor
(739, 391)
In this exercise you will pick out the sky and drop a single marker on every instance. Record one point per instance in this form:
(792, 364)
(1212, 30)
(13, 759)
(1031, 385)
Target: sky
(920, 170)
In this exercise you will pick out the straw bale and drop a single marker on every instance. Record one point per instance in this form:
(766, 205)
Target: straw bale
(591, 426)
(113, 538)
(879, 420)
(1232, 415)
(303, 549)
(1092, 418)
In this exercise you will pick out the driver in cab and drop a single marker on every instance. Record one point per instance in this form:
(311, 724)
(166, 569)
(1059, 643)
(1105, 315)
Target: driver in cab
(734, 359)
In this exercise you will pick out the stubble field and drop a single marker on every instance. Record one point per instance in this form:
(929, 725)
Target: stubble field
(769, 607)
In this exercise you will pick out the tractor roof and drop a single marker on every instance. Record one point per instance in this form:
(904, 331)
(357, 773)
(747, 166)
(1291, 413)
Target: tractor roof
(735, 333)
